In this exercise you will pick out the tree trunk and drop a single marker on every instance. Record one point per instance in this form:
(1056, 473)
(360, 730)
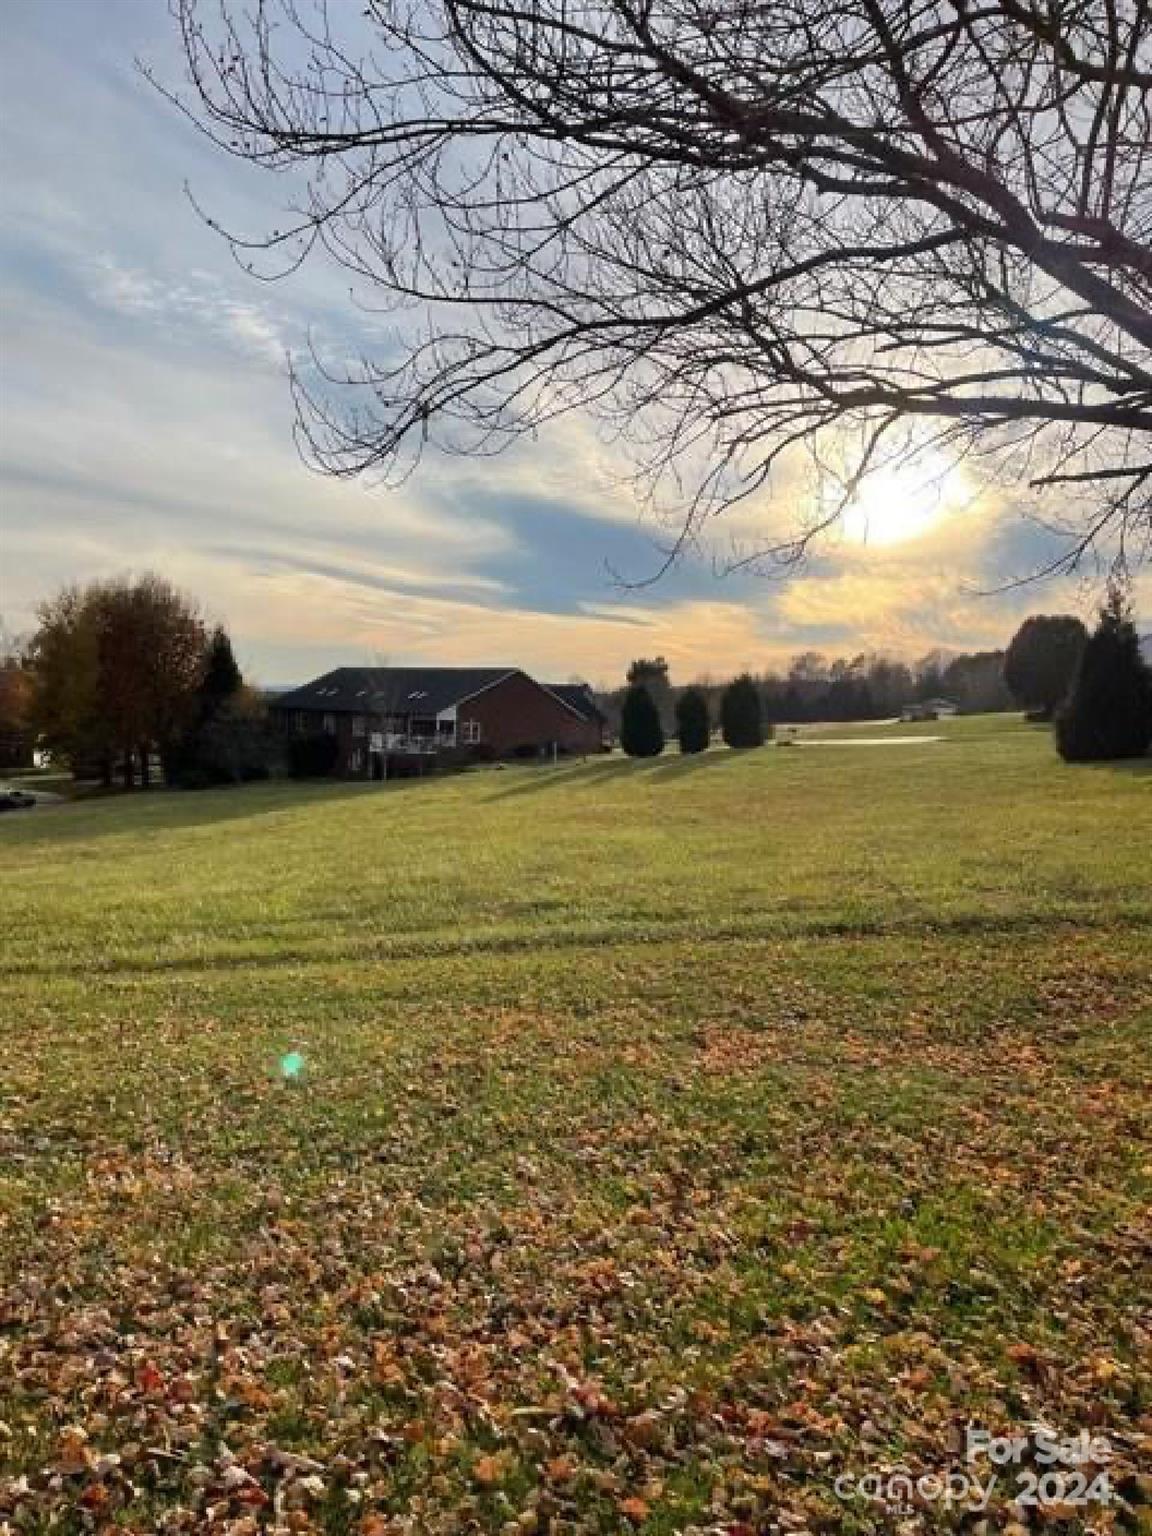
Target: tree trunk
(106, 770)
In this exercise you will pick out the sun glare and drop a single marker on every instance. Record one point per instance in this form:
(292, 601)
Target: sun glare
(903, 501)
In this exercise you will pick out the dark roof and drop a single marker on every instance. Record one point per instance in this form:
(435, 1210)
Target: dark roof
(399, 690)
(577, 696)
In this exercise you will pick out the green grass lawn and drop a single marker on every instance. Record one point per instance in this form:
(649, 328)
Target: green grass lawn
(672, 1138)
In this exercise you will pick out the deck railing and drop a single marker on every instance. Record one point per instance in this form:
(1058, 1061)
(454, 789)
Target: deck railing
(418, 744)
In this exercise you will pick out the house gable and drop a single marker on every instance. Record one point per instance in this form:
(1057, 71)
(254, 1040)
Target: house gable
(518, 713)
(578, 698)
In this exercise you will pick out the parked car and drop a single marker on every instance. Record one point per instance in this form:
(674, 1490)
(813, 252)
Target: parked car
(16, 800)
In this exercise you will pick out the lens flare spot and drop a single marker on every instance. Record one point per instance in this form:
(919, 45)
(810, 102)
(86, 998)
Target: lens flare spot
(291, 1066)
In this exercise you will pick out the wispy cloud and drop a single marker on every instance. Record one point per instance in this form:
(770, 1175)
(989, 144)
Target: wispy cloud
(146, 422)
(199, 307)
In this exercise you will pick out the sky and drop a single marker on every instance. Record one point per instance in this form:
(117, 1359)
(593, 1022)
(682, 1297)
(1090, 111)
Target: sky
(146, 424)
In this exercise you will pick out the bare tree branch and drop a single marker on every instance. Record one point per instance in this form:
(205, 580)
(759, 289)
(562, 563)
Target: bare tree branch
(730, 228)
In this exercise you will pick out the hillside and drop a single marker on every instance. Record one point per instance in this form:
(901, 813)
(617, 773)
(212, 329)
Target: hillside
(614, 1147)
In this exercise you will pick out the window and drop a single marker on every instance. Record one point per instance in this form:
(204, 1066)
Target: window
(329, 725)
(470, 732)
(359, 725)
(356, 761)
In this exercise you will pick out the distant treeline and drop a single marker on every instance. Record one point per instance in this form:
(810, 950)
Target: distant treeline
(863, 687)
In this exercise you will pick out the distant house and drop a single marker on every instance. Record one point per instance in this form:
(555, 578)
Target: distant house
(388, 722)
(930, 709)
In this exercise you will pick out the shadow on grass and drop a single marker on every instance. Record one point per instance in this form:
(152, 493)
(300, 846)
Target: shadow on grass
(1133, 767)
(163, 810)
(591, 775)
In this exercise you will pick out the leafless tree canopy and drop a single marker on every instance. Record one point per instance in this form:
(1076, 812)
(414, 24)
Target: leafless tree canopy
(734, 227)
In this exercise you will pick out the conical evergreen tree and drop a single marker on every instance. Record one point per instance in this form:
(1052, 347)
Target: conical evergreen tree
(641, 734)
(741, 720)
(1109, 710)
(693, 727)
(222, 677)
(192, 761)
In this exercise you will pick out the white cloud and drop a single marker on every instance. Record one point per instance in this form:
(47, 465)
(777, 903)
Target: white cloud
(147, 422)
(200, 307)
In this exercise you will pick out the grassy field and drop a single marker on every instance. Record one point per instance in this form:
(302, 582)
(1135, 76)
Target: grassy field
(669, 1140)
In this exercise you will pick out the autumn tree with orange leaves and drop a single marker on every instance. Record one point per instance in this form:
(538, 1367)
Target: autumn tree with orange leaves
(116, 668)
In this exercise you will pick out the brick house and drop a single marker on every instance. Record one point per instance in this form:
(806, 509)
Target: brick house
(393, 721)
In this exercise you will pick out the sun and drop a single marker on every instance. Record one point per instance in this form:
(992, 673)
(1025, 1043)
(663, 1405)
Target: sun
(904, 500)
